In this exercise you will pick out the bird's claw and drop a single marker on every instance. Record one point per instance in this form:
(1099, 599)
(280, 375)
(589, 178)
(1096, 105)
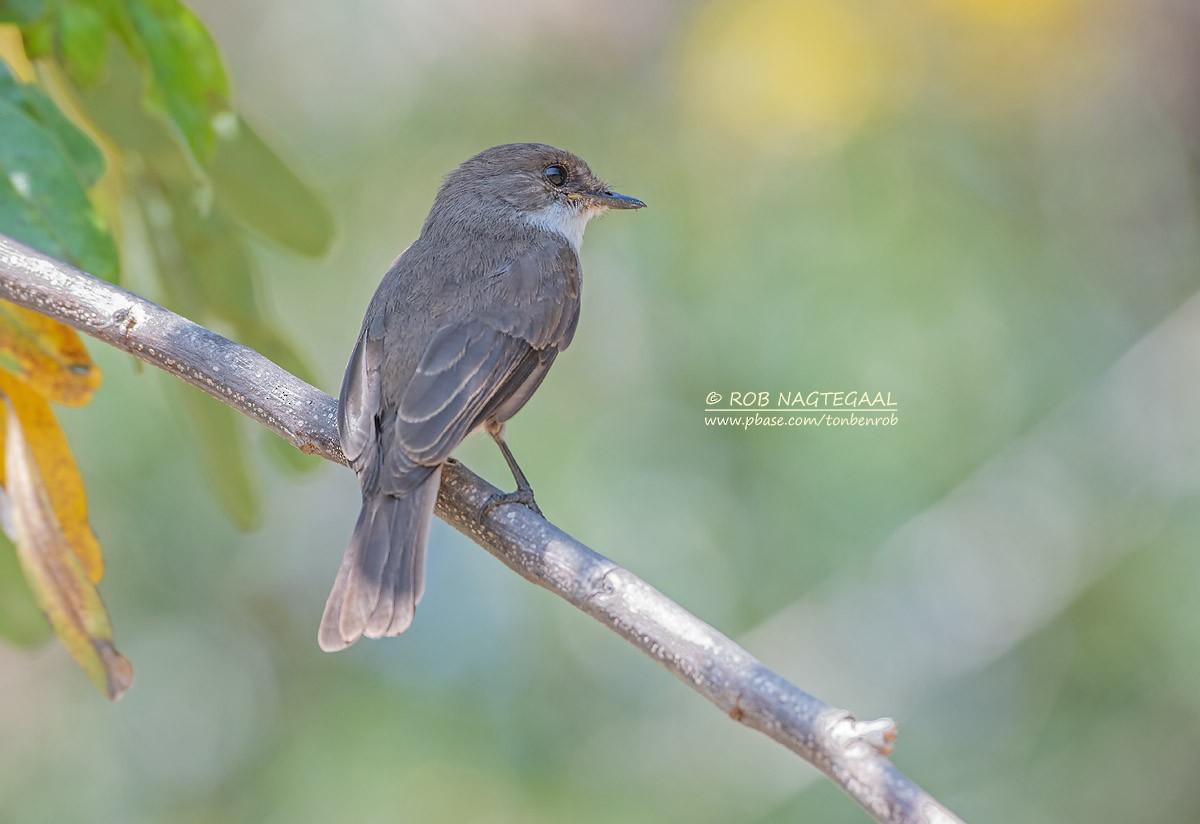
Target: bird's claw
(521, 496)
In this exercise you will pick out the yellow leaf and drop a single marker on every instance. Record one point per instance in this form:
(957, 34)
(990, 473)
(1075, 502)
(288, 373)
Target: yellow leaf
(12, 52)
(57, 466)
(47, 355)
(55, 574)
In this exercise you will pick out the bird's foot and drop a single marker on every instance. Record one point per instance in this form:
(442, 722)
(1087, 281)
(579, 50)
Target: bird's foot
(523, 495)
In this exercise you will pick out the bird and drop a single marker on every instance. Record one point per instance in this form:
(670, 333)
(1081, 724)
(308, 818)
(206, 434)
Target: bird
(461, 331)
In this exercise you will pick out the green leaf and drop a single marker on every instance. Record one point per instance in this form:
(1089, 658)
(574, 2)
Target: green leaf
(115, 106)
(21, 621)
(21, 11)
(38, 37)
(42, 198)
(82, 41)
(189, 82)
(88, 160)
(206, 263)
(259, 190)
(216, 258)
(21, 219)
(217, 435)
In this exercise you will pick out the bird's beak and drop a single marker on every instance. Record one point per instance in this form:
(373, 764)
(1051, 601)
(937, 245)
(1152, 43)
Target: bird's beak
(614, 200)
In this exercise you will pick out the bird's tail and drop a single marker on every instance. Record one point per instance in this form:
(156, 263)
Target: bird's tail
(382, 576)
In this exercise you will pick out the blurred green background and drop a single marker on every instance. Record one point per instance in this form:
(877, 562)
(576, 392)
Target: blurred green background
(985, 207)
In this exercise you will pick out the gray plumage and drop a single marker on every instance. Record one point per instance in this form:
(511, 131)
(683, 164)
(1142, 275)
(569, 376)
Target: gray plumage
(461, 331)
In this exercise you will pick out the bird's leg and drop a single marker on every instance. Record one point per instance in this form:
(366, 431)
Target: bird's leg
(524, 492)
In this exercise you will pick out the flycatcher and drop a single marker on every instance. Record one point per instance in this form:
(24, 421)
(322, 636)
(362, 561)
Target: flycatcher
(459, 335)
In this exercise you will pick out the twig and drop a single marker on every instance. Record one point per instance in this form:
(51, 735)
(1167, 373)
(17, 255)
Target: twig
(853, 753)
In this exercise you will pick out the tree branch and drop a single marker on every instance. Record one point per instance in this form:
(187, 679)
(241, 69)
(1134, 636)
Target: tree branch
(853, 753)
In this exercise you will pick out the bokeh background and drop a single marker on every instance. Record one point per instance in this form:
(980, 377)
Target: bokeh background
(986, 207)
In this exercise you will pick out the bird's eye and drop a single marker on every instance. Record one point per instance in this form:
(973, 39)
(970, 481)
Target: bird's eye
(556, 174)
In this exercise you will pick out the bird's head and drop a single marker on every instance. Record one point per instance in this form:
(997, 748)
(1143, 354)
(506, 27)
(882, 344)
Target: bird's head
(547, 187)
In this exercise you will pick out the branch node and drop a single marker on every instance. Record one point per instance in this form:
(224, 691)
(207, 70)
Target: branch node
(847, 732)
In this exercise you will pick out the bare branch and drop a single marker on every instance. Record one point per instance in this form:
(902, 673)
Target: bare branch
(853, 753)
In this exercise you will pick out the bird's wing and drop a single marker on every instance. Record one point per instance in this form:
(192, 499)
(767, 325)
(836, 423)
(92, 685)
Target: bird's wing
(474, 366)
(467, 369)
(536, 295)
(359, 401)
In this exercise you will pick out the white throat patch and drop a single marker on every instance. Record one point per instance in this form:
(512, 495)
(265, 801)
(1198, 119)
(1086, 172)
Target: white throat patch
(564, 220)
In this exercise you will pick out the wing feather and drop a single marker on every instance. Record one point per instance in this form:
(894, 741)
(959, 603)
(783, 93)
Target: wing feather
(359, 402)
(446, 398)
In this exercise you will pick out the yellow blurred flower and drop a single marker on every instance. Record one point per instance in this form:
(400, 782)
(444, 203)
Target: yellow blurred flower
(802, 73)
